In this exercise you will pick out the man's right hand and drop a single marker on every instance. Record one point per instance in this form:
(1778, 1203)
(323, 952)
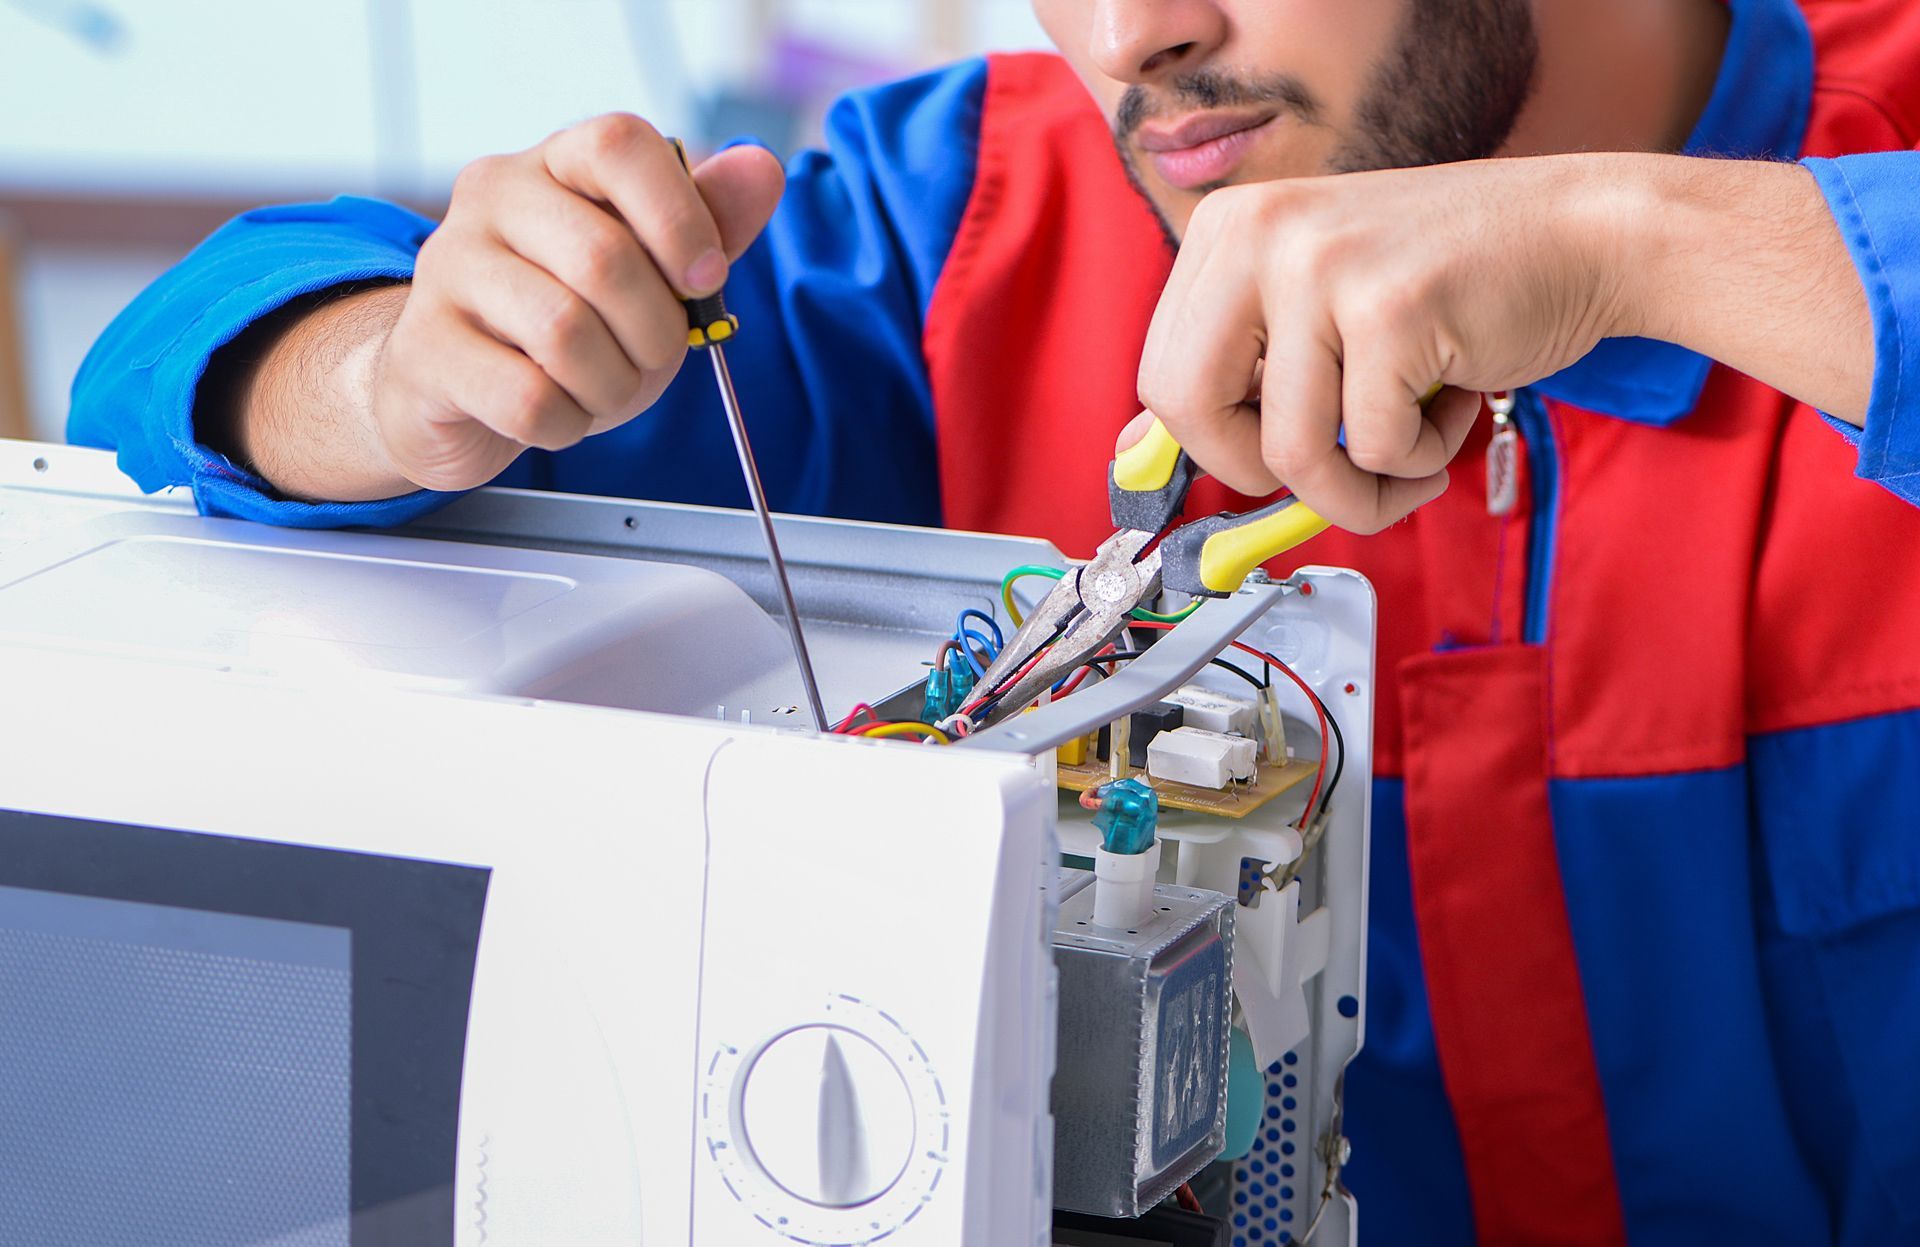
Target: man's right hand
(546, 307)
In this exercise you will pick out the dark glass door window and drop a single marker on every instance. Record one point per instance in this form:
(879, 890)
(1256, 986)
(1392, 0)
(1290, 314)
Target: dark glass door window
(216, 1042)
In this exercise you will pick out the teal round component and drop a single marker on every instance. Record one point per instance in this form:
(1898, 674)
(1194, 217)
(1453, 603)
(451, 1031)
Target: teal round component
(1245, 1094)
(1127, 816)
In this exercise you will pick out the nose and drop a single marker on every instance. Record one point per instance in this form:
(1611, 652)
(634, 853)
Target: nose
(1145, 40)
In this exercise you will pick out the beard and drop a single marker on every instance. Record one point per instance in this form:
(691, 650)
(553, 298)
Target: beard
(1450, 89)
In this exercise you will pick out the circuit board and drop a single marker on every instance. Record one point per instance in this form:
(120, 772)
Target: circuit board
(1234, 801)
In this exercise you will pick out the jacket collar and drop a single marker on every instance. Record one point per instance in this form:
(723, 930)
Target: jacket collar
(1758, 109)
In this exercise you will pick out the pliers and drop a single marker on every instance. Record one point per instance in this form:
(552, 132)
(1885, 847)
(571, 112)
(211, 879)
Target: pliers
(1147, 485)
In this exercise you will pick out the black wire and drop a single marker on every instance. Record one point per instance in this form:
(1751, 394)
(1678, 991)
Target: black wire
(1263, 682)
(1248, 676)
(1326, 798)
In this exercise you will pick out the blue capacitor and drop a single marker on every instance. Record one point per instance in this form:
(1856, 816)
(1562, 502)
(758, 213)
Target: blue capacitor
(1126, 811)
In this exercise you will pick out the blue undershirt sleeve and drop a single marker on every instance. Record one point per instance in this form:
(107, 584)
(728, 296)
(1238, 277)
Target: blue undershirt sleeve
(1875, 199)
(832, 298)
(136, 391)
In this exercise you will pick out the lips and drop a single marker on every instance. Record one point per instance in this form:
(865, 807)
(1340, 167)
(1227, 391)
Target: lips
(1203, 149)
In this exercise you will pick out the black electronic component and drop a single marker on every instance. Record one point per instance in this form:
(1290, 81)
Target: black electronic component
(1161, 716)
(1146, 723)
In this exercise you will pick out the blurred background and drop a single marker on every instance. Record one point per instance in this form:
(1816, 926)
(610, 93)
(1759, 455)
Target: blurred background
(128, 131)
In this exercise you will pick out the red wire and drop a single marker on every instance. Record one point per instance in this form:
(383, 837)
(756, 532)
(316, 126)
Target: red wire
(1186, 1198)
(1012, 680)
(1083, 673)
(845, 726)
(1320, 771)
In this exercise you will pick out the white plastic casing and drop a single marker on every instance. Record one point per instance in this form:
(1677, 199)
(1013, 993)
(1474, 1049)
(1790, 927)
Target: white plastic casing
(1214, 711)
(1192, 755)
(669, 898)
(1123, 886)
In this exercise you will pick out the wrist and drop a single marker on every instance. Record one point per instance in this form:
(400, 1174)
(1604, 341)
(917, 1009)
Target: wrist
(307, 421)
(1618, 206)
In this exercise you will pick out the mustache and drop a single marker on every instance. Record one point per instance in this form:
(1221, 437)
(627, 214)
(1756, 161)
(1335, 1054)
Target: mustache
(1211, 88)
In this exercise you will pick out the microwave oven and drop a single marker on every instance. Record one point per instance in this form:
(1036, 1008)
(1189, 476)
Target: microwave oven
(473, 885)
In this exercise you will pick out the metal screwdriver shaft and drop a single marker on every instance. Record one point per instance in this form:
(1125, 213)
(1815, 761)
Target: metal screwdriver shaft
(751, 471)
(708, 325)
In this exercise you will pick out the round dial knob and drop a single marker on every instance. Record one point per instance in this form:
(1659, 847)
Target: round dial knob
(827, 1116)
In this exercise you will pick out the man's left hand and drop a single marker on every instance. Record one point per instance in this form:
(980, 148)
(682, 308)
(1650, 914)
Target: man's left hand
(1306, 320)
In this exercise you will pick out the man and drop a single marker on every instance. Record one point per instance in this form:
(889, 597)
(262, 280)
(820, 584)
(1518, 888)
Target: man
(1645, 958)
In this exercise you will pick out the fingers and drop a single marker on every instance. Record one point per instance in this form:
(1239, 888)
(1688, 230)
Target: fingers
(479, 378)
(1395, 426)
(526, 307)
(1301, 422)
(1200, 362)
(624, 162)
(742, 187)
(595, 255)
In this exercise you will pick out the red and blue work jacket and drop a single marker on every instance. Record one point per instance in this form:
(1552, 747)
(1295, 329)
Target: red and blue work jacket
(1644, 960)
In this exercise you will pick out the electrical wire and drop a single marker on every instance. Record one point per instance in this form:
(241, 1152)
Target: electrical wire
(1312, 808)
(846, 725)
(1126, 655)
(1188, 1201)
(960, 625)
(925, 730)
(970, 637)
(1056, 573)
(974, 706)
(1319, 798)
(1340, 767)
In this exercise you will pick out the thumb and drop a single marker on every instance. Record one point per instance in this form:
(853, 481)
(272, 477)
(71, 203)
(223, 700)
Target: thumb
(1135, 430)
(741, 185)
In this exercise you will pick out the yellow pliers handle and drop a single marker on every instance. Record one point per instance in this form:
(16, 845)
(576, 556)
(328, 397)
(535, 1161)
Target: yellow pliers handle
(1209, 557)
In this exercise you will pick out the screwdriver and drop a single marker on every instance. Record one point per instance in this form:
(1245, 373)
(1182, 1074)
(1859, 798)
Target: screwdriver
(708, 325)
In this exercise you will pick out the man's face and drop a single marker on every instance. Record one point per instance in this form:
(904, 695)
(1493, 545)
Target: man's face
(1209, 93)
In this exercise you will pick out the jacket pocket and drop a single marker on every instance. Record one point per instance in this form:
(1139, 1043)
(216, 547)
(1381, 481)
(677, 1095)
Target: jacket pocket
(1837, 815)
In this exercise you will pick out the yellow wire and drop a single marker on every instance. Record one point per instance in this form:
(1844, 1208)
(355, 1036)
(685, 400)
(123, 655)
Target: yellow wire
(1024, 570)
(905, 729)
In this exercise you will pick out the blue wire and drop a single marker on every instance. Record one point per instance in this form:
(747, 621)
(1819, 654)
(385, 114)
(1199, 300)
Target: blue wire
(960, 624)
(980, 639)
(968, 634)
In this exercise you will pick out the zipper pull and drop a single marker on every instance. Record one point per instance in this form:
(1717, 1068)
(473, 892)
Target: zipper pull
(1503, 456)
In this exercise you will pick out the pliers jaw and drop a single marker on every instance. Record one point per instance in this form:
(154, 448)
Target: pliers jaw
(1086, 609)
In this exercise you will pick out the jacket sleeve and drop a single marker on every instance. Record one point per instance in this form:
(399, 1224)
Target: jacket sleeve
(1875, 199)
(135, 391)
(832, 298)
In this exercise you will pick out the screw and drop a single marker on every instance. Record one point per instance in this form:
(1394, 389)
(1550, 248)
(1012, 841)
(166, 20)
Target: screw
(1258, 576)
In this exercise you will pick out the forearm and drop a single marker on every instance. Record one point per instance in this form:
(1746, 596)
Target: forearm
(300, 413)
(1741, 261)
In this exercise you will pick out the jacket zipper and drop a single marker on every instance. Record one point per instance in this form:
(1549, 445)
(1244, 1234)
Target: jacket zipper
(1534, 432)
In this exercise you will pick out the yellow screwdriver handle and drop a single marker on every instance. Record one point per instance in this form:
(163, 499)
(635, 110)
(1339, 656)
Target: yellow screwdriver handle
(708, 320)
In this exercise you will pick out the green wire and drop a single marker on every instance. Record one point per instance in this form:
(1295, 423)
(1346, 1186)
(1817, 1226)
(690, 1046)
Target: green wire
(1055, 573)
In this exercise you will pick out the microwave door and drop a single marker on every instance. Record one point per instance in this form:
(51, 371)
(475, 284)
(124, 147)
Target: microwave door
(211, 1041)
